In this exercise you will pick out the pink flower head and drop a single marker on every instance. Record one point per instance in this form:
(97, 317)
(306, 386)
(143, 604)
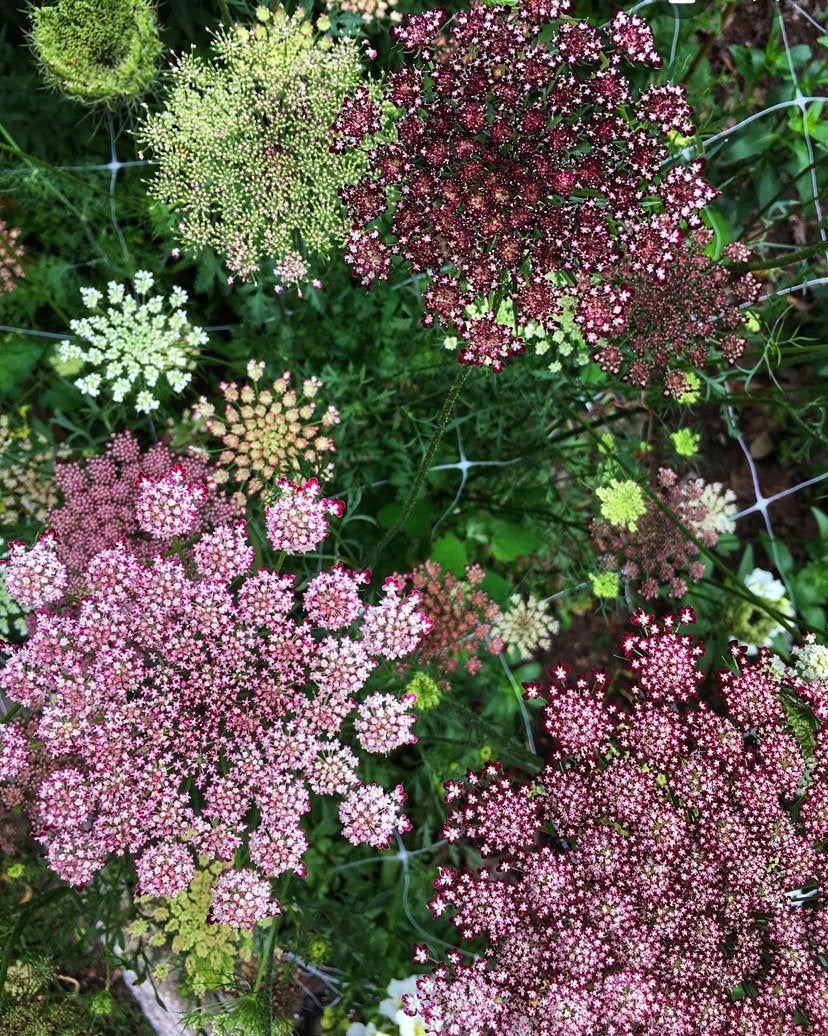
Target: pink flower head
(98, 509)
(384, 723)
(224, 553)
(241, 899)
(165, 869)
(14, 752)
(35, 577)
(663, 858)
(332, 600)
(371, 816)
(169, 506)
(634, 39)
(395, 626)
(296, 522)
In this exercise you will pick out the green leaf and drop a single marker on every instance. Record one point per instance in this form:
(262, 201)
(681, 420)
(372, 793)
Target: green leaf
(451, 553)
(18, 357)
(514, 541)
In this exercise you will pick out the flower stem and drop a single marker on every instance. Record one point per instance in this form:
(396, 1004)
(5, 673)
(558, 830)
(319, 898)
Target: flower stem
(264, 981)
(780, 261)
(439, 430)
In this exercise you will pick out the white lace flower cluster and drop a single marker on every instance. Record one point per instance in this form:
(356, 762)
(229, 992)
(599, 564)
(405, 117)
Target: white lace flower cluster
(133, 342)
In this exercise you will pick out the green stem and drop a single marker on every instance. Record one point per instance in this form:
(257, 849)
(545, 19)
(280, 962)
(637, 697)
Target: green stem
(439, 430)
(781, 260)
(264, 981)
(11, 712)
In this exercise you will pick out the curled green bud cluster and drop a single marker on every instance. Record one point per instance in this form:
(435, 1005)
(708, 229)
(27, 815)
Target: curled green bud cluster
(426, 690)
(606, 585)
(97, 51)
(243, 145)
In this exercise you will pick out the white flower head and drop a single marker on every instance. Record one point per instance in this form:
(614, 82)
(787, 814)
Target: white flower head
(133, 341)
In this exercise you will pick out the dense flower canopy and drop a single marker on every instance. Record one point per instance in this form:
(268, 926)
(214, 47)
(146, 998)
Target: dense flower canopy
(100, 495)
(528, 170)
(243, 144)
(183, 692)
(653, 879)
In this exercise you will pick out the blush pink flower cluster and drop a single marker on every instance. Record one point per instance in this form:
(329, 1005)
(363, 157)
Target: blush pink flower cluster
(99, 497)
(36, 577)
(169, 506)
(462, 614)
(181, 695)
(664, 875)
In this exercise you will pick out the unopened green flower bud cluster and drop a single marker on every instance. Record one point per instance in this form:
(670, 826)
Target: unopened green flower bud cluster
(133, 343)
(97, 51)
(243, 144)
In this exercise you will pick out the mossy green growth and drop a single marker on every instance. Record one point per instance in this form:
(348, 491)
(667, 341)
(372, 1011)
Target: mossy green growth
(209, 952)
(102, 52)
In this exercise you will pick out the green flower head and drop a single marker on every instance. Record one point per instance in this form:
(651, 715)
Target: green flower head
(693, 393)
(97, 51)
(428, 693)
(686, 442)
(243, 145)
(622, 503)
(605, 584)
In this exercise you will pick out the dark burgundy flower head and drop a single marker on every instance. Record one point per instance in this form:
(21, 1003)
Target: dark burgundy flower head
(529, 171)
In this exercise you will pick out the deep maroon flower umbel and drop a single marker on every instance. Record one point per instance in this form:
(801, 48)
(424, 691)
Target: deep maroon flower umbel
(528, 172)
(655, 879)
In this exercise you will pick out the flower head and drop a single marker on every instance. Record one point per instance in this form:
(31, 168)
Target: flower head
(751, 624)
(371, 816)
(622, 503)
(527, 627)
(169, 506)
(272, 432)
(811, 660)
(529, 173)
(134, 344)
(241, 900)
(243, 145)
(649, 548)
(99, 497)
(36, 576)
(165, 870)
(462, 616)
(296, 522)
